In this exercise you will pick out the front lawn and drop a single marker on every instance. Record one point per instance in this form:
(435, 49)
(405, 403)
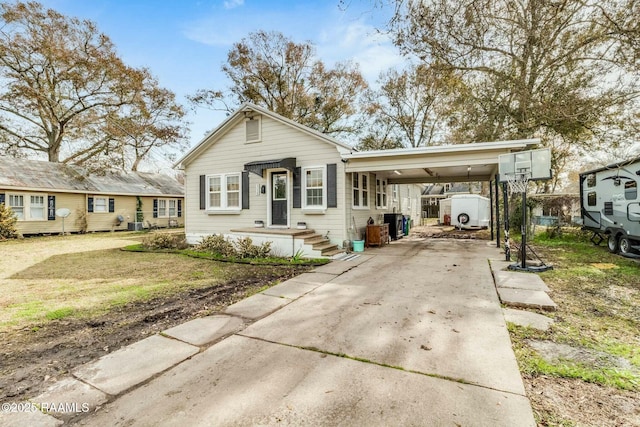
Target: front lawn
(586, 369)
(59, 310)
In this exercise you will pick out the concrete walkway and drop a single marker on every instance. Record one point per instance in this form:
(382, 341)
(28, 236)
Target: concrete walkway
(408, 334)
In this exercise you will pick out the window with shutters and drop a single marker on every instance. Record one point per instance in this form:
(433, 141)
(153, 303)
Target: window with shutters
(36, 207)
(100, 204)
(28, 207)
(224, 191)
(253, 129)
(314, 188)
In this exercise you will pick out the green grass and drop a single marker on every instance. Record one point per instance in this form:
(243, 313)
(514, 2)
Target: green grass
(532, 364)
(598, 297)
(88, 284)
(60, 313)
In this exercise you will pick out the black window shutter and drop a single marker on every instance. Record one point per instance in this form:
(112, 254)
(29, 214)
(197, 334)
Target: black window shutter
(245, 190)
(155, 208)
(51, 208)
(332, 184)
(112, 205)
(297, 191)
(203, 192)
(179, 208)
(1, 198)
(90, 204)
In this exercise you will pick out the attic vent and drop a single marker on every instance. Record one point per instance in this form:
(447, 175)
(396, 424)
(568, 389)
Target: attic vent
(252, 129)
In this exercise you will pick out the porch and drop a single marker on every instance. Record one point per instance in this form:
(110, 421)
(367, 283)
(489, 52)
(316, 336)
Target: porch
(290, 241)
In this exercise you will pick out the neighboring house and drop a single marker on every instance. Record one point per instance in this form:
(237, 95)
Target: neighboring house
(433, 193)
(263, 176)
(39, 191)
(555, 208)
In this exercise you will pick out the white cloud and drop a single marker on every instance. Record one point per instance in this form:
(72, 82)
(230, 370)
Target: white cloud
(337, 35)
(232, 4)
(361, 43)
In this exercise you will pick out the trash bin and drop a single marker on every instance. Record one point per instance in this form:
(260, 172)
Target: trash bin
(358, 246)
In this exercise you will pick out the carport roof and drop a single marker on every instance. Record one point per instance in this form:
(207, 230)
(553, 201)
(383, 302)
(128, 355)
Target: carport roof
(441, 163)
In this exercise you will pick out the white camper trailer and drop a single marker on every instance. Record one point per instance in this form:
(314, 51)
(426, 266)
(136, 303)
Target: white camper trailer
(470, 211)
(610, 206)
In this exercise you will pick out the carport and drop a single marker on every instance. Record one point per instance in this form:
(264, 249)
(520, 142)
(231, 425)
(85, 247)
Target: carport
(476, 162)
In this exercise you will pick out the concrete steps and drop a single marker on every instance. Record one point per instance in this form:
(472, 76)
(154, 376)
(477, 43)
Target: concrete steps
(317, 245)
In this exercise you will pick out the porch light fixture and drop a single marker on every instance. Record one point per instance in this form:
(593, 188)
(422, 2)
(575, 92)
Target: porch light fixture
(397, 172)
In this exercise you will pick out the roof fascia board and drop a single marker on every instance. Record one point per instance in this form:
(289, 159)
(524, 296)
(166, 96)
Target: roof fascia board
(85, 192)
(442, 149)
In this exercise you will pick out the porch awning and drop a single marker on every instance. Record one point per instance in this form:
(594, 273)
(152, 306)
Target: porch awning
(259, 166)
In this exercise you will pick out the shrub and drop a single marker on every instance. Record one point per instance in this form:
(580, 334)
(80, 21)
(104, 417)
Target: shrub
(216, 244)
(164, 241)
(246, 249)
(7, 223)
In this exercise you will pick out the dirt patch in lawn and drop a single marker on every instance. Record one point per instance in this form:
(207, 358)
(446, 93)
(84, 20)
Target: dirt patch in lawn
(435, 231)
(34, 358)
(569, 402)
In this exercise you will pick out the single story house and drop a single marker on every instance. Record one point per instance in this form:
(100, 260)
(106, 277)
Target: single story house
(261, 175)
(47, 196)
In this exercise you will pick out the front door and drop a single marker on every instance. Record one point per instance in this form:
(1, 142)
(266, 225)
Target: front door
(279, 203)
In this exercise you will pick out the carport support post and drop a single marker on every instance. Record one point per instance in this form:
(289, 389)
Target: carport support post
(523, 229)
(497, 202)
(490, 208)
(505, 198)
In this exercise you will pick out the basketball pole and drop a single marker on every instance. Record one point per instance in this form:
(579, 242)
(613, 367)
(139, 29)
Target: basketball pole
(505, 196)
(523, 232)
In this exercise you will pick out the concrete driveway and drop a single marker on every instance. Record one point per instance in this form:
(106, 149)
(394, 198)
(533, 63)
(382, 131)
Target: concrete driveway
(408, 334)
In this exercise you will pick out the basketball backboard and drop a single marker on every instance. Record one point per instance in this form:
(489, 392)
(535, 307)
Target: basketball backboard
(534, 164)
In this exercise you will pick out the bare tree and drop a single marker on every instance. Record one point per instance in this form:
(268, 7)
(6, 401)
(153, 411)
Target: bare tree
(415, 102)
(555, 69)
(63, 86)
(152, 123)
(273, 71)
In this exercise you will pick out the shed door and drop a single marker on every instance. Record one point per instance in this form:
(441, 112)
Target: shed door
(279, 202)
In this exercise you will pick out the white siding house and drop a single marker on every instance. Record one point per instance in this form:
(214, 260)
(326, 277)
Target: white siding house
(259, 174)
(262, 175)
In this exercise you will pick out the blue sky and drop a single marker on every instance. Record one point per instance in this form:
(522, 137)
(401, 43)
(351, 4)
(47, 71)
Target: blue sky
(185, 42)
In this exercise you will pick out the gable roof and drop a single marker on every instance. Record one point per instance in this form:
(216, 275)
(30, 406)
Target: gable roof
(36, 175)
(234, 118)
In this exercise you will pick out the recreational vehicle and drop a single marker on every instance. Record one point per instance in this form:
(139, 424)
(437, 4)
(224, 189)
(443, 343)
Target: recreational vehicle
(610, 206)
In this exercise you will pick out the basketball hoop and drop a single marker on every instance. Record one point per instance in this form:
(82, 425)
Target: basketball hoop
(517, 182)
